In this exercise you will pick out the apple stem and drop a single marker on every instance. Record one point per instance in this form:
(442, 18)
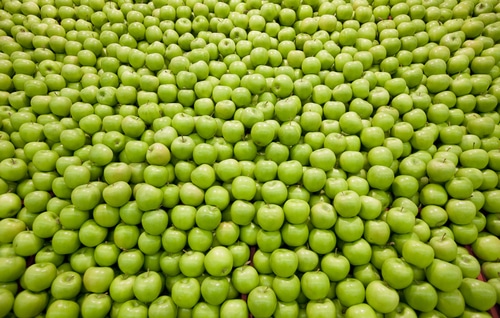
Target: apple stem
(442, 237)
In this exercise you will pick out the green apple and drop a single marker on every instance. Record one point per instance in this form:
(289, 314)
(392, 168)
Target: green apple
(478, 294)
(443, 275)
(421, 296)
(381, 297)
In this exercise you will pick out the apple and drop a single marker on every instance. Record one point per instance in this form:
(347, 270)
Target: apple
(82, 259)
(12, 205)
(148, 197)
(445, 247)
(26, 243)
(290, 171)
(40, 276)
(293, 235)
(244, 279)
(349, 229)
(433, 194)
(97, 279)
(218, 261)
(130, 261)
(208, 217)
(147, 286)
(125, 236)
(284, 262)
(10, 228)
(483, 242)
(397, 273)
(243, 188)
(262, 301)
(234, 308)
(198, 240)
(358, 310)
(274, 192)
(95, 305)
(37, 301)
(381, 253)
(183, 217)
(448, 282)
(421, 296)
(358, 252)
(66, 285)
(280, 153)
(285, 309)
(471, 288)
(347, 203)
(494, 283)
(418, 253)
(17, 265)
(227, 233)
(130, 213)
(13, 169)
(400, 220)
(381, 297)
(490, 198)
(350, 292)
(315, 285)
(63, 307)
(336, 266)
(492, 223)
(376, 232)
(468, 264)
(361, 186)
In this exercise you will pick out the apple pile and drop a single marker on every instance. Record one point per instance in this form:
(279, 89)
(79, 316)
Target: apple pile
(285, 158)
